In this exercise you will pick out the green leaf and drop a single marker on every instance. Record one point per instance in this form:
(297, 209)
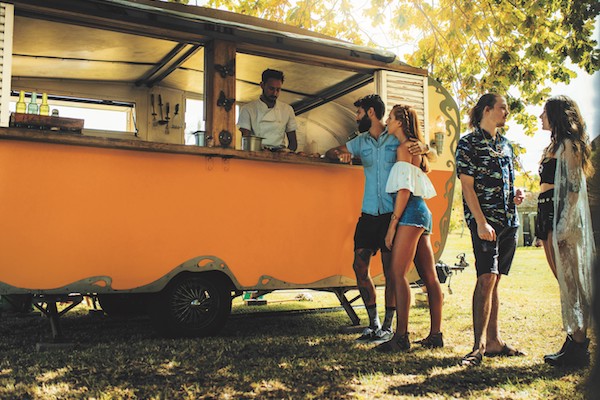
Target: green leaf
(471, 46)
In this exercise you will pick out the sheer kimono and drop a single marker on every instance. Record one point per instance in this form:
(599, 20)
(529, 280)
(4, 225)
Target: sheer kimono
(573, 240)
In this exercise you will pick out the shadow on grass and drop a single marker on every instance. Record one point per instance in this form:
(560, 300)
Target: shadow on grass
(463, 382)
(299, 356)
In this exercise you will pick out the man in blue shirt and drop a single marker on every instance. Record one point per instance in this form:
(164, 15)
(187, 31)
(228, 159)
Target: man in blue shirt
(377, 151)
(484, 161)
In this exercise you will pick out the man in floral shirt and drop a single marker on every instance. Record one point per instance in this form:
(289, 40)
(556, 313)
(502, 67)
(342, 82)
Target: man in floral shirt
(484, 161)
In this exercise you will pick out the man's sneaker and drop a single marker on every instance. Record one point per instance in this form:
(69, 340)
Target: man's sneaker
(366, 335)
(382, 336)
(371, 335)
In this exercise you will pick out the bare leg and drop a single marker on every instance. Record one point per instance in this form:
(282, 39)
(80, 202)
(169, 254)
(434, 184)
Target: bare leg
(549, 250)
(482, 305)
(426, 266)
(493, 341)
(403, 253)
(579, 336)
(386, 260)
(362, 257)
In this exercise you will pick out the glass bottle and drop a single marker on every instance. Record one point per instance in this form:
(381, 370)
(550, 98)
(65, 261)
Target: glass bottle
(44, 107)
(32, 107)
(21, 106)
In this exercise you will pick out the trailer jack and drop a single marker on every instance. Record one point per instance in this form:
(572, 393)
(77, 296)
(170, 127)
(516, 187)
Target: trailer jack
(51, 311)
(347, 304)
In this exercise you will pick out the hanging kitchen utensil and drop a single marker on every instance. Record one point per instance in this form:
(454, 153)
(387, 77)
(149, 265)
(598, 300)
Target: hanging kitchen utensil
(167, 108)
(160, 108)
(153, 109)
(176, 121)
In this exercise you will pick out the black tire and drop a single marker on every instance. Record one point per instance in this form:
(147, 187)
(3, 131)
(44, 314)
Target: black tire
(192, 305)
(124, 304)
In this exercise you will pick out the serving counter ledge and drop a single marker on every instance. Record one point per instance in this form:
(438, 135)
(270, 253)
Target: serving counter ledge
(48, 136)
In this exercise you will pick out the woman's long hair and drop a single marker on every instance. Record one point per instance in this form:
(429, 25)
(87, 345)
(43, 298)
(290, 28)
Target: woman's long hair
(566, 123)
(410, 124)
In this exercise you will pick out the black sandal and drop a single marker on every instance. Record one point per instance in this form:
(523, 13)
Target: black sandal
(472, 359)
(506, 351)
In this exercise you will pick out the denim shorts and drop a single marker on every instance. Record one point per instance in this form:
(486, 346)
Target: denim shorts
(416, 214)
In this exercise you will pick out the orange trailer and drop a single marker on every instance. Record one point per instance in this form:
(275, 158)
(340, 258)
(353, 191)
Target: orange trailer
(146, 219)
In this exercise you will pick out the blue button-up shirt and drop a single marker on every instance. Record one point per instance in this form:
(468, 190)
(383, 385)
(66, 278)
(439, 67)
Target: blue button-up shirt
(378, 157)
(490, 163)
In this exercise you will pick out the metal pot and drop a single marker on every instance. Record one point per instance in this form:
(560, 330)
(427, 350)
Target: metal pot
(252, 143)
(200, 138)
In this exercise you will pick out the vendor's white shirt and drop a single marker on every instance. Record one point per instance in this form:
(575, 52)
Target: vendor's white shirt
(268, 123)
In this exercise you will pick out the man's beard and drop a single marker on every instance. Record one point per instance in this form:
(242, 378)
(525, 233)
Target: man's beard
(269, 99)
(364, 124)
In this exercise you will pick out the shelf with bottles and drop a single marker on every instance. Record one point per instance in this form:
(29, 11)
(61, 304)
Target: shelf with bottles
(47, 122)
(32, 107)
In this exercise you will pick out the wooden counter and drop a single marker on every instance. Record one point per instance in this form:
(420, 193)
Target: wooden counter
(140, 145)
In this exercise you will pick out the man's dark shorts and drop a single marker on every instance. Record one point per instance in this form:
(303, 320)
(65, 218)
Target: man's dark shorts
(494, 256)
(370, 232)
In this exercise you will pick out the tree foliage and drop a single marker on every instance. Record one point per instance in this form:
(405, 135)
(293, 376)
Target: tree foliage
(334, 18)
(510, 47)
(513, 47)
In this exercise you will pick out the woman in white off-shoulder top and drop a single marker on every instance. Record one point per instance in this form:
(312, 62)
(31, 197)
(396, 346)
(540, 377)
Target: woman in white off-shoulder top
(408, 233)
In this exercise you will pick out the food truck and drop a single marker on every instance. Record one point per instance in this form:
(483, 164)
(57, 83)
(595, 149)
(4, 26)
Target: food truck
(133, 185)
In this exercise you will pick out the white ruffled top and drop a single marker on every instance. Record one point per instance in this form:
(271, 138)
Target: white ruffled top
(404, 175)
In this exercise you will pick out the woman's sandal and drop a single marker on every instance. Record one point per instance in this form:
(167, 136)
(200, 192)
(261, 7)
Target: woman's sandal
(472, 359)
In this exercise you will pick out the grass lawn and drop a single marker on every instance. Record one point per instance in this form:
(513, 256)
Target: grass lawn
(299, 356)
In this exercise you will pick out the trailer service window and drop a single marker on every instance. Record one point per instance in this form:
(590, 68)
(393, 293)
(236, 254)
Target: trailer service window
(98, 114)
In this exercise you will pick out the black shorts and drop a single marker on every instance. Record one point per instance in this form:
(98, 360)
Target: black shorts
(545, 215)
(370, 232)
(494, 256)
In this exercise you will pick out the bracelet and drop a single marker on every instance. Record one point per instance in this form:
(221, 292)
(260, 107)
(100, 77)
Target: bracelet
(394, 216)
(426, 149)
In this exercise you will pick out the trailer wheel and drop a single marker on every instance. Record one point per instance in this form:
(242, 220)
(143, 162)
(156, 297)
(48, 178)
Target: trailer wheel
(123, 305)
(191, 305)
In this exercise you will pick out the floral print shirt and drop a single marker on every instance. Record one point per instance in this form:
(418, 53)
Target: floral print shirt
(490, 162)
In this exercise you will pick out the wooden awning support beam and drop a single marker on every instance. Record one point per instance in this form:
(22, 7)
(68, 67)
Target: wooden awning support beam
(331, 93)
(148, 76)
(220, 115)
(167, 71)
